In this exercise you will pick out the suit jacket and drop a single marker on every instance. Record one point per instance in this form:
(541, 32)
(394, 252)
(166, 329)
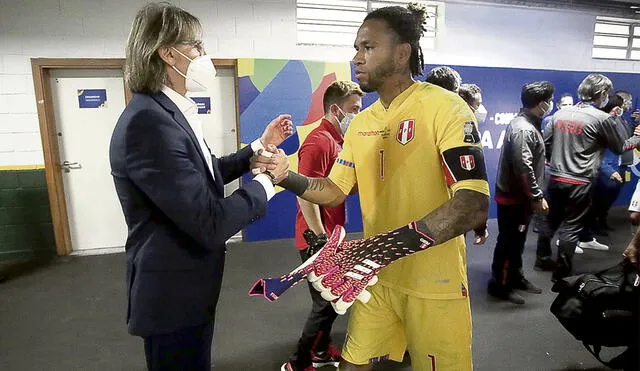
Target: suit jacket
(177, 216)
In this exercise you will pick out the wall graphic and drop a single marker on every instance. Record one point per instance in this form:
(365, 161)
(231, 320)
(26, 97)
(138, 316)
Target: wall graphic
(270, 87)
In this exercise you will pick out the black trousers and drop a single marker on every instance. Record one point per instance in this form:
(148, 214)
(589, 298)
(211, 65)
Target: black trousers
(513, 224)
(604, 194)
(607, 192)
(568, 213)
(316, 334)
(185, 349)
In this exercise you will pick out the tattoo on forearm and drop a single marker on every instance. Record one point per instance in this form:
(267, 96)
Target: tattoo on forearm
(465, 211)
(319, 191)
(316, 184)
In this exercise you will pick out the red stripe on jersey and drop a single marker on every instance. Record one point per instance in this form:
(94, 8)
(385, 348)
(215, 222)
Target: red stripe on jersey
(448, 175)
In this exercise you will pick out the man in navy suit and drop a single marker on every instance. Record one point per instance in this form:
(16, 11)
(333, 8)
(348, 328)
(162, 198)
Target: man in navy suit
(171, 190)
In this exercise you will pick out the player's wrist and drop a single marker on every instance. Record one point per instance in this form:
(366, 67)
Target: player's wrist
(295, 183)
(398, 243)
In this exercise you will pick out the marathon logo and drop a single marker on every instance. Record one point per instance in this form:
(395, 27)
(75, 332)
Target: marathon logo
(384, 133)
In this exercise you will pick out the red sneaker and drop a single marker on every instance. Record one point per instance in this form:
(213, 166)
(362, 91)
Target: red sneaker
(330, 357)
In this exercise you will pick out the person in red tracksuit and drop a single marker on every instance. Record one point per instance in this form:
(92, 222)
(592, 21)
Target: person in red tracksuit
(316, 156)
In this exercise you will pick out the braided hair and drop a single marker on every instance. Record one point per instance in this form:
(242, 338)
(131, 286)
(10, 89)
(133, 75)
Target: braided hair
(409, 25)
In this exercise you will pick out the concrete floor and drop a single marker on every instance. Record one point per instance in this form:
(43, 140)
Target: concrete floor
(69, 314)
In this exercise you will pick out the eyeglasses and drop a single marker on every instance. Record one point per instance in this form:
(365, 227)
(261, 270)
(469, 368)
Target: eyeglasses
(198, 44)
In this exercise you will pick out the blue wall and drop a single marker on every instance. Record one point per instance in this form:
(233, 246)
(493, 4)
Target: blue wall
(501, 94)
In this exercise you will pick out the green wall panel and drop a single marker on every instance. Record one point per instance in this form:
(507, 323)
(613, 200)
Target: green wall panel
(25, 218)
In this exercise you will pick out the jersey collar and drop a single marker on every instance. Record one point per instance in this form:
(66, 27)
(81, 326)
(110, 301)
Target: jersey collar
(401, 98)
(326, 125)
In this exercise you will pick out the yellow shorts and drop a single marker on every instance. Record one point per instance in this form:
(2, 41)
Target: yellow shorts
(436, 332)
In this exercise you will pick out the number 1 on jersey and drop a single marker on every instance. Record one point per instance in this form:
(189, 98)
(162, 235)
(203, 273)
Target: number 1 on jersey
(433, 361)
(382, 164)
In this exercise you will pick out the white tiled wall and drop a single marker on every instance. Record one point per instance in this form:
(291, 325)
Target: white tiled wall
(473, 35)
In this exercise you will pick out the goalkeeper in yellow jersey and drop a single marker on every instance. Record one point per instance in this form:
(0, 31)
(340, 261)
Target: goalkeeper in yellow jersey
(416, 160)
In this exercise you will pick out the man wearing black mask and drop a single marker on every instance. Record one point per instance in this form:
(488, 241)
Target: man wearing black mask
(519, 191)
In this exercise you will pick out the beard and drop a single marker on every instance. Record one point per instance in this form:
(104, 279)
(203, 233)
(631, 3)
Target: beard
(366, 88)
(377, 76)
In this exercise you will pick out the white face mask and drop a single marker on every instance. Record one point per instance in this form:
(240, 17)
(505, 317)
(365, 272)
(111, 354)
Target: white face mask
(346, 120)
(481, 114)
(200, 74)
(604, 102)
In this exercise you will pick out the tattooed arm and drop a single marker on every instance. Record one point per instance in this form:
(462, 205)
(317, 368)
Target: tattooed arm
(321, 191)
(465, 211)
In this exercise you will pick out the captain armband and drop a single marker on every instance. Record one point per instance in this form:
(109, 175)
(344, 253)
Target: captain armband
(463, 163)
(295, 183)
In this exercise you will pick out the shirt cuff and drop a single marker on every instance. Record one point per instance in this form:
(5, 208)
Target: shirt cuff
(256, 145)
(265, 181)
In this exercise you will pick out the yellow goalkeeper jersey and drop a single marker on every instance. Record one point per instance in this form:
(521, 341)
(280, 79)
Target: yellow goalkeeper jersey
(406, 161)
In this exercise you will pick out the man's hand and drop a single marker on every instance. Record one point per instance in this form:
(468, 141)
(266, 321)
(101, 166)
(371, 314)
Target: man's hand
(616, 176)
(482, 234)
(281, 161)
(631, 252)
(636, 116)
(540, 206)
(277, 131)
(314, 242)
(636, 131)
(262, 161)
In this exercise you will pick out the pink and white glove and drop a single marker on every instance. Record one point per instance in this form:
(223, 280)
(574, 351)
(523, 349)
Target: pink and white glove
(343, 269)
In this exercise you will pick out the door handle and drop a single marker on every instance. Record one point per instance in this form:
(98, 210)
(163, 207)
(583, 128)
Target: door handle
(68, 166)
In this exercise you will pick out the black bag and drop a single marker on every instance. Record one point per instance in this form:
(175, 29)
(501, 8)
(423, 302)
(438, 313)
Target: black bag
(600, 309)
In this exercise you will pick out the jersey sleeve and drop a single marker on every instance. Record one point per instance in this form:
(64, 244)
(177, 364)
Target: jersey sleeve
(458, 142)
(343, 172)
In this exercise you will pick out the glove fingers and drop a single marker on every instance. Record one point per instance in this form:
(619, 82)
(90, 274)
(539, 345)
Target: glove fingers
(319, 286)
(373, 281)
(364, 296)
(341, 306)
(311, 277)
(357, 290)
(328, 296)
(337, 235)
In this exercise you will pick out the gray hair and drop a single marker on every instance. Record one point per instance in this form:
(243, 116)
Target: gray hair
(594, 85)
(445, 77)
(156, 25)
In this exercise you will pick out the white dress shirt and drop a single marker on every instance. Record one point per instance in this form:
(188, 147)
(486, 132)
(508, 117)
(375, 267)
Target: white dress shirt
(189, 109)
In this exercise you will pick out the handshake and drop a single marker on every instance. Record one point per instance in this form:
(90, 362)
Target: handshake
(272, 162)
(342, 270)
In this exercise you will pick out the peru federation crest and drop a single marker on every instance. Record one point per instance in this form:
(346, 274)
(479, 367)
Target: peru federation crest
(406, 131)
(467, 162)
